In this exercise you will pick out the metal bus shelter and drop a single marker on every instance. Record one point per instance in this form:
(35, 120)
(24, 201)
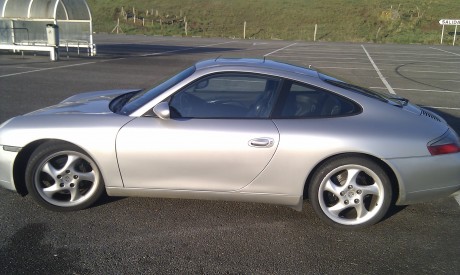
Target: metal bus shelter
(46, 25)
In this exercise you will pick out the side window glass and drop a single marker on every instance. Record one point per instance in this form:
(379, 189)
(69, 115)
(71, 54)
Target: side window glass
(302, 101)
(226, 96)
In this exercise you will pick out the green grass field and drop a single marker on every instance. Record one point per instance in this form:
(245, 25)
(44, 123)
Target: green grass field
(381, 21)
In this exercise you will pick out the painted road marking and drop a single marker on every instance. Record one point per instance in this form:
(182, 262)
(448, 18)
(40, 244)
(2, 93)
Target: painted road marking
(444, 51)
(280, 49)
(46, 69)
(186, 49)
(433, 72)
(442, 108)
(347, 68)
(322, 58)
(418, 90)
(385, 82)
(109, 60)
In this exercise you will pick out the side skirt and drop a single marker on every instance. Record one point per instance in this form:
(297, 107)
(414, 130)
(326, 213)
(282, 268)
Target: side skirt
(294, 202)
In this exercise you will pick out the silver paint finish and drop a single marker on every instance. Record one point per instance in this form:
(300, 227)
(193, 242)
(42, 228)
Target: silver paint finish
(193, 154)
(258, 160)
(426, 178)
(86, 103)
(281, 199)
(6, 169)
(94, 133)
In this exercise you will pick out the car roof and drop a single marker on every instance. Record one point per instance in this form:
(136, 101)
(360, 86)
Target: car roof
(254, 64)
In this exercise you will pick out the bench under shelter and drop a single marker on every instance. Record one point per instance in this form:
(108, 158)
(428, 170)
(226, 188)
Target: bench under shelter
(46, 25)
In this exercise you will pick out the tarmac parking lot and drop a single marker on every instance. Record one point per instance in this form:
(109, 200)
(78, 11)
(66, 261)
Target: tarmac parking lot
(147, 235)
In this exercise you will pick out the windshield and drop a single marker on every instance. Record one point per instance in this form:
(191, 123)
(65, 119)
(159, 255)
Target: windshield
(142, 98)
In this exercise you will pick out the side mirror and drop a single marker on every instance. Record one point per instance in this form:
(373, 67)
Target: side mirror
(162, 110)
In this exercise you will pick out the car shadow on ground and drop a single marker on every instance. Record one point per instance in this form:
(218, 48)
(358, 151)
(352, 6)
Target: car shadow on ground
(106, 200)
(393, 211)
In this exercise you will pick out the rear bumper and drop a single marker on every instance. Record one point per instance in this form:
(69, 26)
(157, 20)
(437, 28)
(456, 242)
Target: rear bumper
(426, 178)
(6, 168)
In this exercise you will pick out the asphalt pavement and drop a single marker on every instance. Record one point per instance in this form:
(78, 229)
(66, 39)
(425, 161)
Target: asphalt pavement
(156, 236)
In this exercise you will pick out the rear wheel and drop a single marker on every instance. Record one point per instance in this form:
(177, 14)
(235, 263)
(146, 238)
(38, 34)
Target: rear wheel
(62, 177)
(350, 192)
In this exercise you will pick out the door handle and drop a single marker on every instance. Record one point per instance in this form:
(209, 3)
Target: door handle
(261, 142)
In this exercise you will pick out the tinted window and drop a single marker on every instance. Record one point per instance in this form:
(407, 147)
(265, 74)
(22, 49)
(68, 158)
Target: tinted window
(302, 101)
(226, 96)
(358, 89)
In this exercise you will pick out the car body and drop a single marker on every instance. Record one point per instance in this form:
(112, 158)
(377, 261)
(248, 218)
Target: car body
(236, 129)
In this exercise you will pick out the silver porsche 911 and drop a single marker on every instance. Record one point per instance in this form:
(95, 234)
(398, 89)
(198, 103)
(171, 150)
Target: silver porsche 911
(236, 129)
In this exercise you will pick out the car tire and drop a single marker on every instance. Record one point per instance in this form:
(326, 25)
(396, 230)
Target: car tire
(350, 192)
(62, 177)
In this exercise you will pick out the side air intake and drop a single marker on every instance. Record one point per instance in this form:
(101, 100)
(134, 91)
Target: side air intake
(425, 113)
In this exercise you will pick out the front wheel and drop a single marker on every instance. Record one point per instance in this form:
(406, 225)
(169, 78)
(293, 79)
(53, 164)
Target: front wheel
(62, 177)
(350, 192)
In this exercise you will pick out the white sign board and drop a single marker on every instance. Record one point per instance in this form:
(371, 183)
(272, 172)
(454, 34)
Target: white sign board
(449, 21)
(445, 22)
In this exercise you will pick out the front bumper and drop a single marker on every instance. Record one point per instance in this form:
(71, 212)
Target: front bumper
(426, 178)
(6, 168)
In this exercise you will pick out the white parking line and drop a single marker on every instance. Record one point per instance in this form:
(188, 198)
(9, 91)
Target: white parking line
(322, 57)
(46, 69)
(418, 90)
(309, 49)
(403, 71)
(108, 60)
(444, 51)
(342, 62)
(442, 108)
(367, 63)
(457, 197)
(342, 53)
(18, 67)
(415, 54)
(280, 49)
(385, 82)
(345, 68)
(415, 61)
(432, 72)
(186, 49)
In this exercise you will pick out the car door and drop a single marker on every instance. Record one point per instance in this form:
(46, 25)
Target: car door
(219, 137)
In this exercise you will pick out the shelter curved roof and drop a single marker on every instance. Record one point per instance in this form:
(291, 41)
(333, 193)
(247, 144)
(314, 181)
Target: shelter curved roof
(45, 9)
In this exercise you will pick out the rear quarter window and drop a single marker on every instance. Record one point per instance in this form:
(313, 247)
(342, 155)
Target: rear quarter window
(302, 101)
